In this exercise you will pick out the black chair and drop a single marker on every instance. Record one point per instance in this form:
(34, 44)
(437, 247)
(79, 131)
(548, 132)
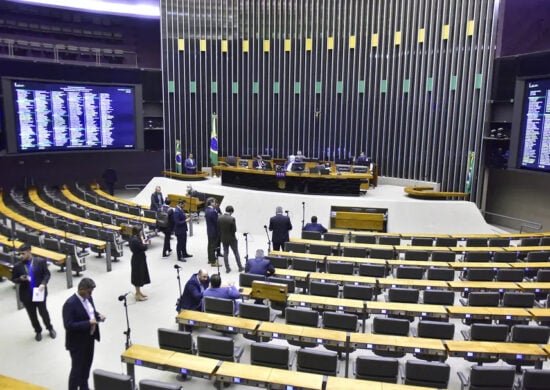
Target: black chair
(107, 380)
(518, 299)
(307, 235)
(438, 297)
(304, 265)
(91, 232)
(417, 255)
(485, 332)
(510, 275)
(499, 242)
(374, 270)
(354, 252)
(436, 273)
(295, 247)
(527, 334)
(343, 322)
(376, 368)
(291, 287)
(51, 244)
(219, 306)
(390, 326)
(422, 241)
(534, 379)
(531, 241)
(478, 257)
(245, 280)
(385, 254)
(325, 250)
(231, 161)
(434, 330)
(74, 228)
(323, 289)
(218, 347)
(405, 295)
(446, 256)
(336, 237)
(255, 312)
(389, 240)
(341, 268)
(505, 257)
(431, 374)
(175, 340)
(488, 378)
(409, 272)
(365, 239)
(279, 262)
(476, 242)
(480, 274)
(446, 241)
(317, 362)
(123, 208)
(305, 317)
(364, 293)
(270, 355)
(148, 384)
(482, 298)
(544, 241)
(538, 256)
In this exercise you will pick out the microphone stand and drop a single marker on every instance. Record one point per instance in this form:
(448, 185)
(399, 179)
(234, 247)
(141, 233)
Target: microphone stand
(303, 214)
(177, 267)
(268, 240)
(246, 245)
(127, 332)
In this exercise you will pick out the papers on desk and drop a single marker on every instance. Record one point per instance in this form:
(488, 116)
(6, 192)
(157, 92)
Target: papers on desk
(38, 295)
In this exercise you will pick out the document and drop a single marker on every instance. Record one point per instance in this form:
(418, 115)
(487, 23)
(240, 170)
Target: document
(38, 295)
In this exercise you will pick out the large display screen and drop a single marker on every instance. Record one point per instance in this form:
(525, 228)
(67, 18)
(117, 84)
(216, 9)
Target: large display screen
(55, 116)
(534, 141)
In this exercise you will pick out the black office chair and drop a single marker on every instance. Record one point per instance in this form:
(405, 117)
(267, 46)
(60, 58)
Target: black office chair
(175, 340)
(385, 254)
(478, 257)
(482, 298)
(485, 332)
(341, 268)
(499, 242)
(148, 384)
(305, 317)
(422, 241)
(390, 326)
(480, 275)
(355, 252)
(336, 237)
(488, 378)
(518, 299)
(476, 242)
(245, 280)
(536, 256)
(325, 250)
(438, 297)
(510, 275)
(270, 355)
(505, 257)
(317, 362)
(446, 241)
(365, 239)
(377, 368)
(409, 272)
(417, 255)
(527, 334)
(255, 312)
(307, 235)
(107, 380)
(324, 289)
(402, 294)
(364, 293)
(340, 321)
(431, 374)
(531, 241)
(295, 247)
(219, 306)
(434, 330)
(291, 287)
(218, 347)
(544, 241)
(389, 240)
(436, 273)
(279, 262)
(304, 265)
(446, 256)
(534, 379)
(374, 270)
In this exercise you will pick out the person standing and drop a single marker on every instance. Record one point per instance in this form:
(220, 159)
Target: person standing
(139, 269)
(29, 274)
(180, 230)
(228, 227)
(190, 165)
(191, 299)
(280, 226)
(168, 229)
(157, 200)
(110, 178)
(227, 292)
(80, 319)
(211, 215)
(313, 226)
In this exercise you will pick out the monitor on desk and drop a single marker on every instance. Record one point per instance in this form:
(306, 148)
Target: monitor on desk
(360, 169)
(342, 168)
(298, 167)
(243, 163)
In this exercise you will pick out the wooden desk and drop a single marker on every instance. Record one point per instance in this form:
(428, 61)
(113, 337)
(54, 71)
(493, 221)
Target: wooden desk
(464, 285)
(334, 244)
(531, 265)
(535, 286)
(97, 189)
(462, 265)
(398, 343)
(414, 283)
(8, 383)
(193, 365)
(407, 309)
(192, 204)
(540, 313)
(418, 263)
(405, 248)
(243, 374)
(502, 350)
(54, 257)
(217, 321)
(186, 176)
(426, 192)
(295, 379)
(464, 249)
(326, 303)
(338, 278)
(339, 383)
(489, 313)
(142, 355)
(280, 331)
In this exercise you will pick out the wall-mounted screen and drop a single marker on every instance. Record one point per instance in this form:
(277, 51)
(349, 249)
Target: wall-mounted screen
(534, 141)
(66, 116)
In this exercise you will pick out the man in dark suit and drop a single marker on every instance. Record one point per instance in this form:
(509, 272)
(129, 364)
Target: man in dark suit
(191, 299)
(227, 228)
(211, 216)
(259, 265)
(190, 165)
(280, 226)
(258, 163)
(81, 319)
(156, 199)
(314, 226)
(180, 230)
(29, 274)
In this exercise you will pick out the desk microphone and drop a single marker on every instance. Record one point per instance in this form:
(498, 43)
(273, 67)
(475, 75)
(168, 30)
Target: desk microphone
(122, 297)
(176, 266)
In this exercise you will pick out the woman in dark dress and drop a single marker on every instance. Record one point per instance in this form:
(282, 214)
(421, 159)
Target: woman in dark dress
(140, 272)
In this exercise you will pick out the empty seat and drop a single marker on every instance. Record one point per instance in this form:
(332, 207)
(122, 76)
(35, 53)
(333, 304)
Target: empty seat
(538, 256)
(544, 241)
(307, 235)
(270, 355)
(499, 242)
(409, 272)
(325, 250)
(364, 293)
(436, 273)
(518, 299)
(489, 378)
(505, 257)
(219, 306)
(431, 374)
(324, 289)
(478, 257)
(245, 280)
(483, 298)
(254, 311)
(527, 334)
(175, 340)
(543, 275)
(295, 247)
(343, 322)
(291, 287)
(355, 252)
(447, 256)
(406, 295)
(337, 237)
(304, 265)
(439, 297)
(360, 239)
(422, 241)
(279, 262)
(317, 362)
(306, 317)
(434, 330)
(477, 242)
(485, 332)
(107, 380)
(446, 241)
(389, 240)
(386, 254)
(218, 347)
(480, 274)
(342, 268)
(376, 368)
(374, 270)
(534, 379)
(417, 255)
(391, 326)
(531, 241)
(510, 275)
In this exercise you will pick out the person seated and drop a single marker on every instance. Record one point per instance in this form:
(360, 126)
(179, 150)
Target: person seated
(227, 292)
(362, 159)
(191, 299)
(259, 265)
(313, 226)
(190, 165)
(258, 163)
(291, 160)
(299, 156)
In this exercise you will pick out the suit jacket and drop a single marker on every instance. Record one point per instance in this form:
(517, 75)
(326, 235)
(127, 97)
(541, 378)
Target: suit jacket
(226, 293)
(190, 165)
(315, 227)
(77, 323)
(40, 273)
(180, 223)
(259, 266)
(258, 164)
(280, 225)
(211, 216)
(157, 200)
(227, 228)
(191, 298)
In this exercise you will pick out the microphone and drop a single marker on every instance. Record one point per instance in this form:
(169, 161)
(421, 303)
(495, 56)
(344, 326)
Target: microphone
(286, 211)
(176, 266)
(265, 226)
(245, 234)
(122, 297)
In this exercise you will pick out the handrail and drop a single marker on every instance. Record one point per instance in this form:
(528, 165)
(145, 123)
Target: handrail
(526, 224)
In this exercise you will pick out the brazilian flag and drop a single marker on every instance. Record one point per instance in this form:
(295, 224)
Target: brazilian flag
(214, 142)
(178, 156)
(470, 172)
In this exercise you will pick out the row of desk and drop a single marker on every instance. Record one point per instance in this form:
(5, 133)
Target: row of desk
(460, 237)
(240, 373)
(369, 341)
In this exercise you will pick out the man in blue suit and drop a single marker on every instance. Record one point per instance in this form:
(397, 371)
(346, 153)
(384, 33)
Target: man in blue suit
(81, 321)
(259, 265)
(314, 226)
(190, 165)
(191, 299)
(211, 216)
(180, 230)
(228, 292)
(280, 226)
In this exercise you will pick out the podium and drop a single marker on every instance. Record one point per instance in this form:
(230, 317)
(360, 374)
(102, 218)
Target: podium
(276, 292)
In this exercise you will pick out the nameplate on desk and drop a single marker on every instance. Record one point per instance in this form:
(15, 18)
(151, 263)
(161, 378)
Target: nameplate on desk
(302, 303)
(356, 283)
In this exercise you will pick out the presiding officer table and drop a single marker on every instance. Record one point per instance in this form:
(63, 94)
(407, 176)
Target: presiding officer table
(334, 184)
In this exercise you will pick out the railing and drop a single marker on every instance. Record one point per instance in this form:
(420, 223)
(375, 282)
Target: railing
(534, 226)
